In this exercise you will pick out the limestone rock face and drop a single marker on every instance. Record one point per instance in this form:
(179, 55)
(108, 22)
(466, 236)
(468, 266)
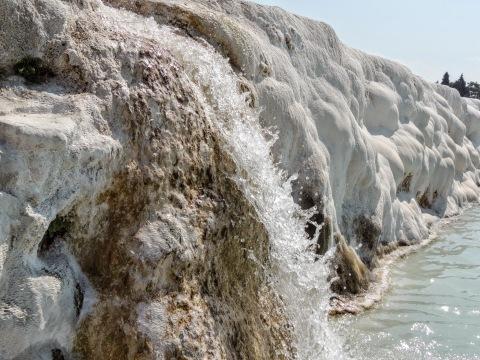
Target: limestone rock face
(124, 234)
(141, 212)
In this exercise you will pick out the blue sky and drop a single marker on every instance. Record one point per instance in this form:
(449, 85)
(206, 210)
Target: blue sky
(429, 36)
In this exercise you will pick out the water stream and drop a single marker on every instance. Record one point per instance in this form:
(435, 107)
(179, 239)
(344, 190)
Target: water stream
(433, 308)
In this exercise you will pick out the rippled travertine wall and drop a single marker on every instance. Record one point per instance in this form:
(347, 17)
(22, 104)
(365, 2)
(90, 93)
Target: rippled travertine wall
(132, 226)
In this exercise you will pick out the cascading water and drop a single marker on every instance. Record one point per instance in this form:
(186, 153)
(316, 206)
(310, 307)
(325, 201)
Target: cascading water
(299, 279)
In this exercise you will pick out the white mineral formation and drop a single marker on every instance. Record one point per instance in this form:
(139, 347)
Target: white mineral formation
(171, 170)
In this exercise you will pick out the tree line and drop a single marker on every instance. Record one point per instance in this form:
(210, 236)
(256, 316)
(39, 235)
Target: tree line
(470, 90)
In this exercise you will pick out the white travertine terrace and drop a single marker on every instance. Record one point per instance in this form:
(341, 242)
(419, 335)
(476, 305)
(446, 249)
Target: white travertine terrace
(141, 211)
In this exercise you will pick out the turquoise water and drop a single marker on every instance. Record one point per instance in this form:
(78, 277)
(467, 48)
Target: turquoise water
(432, 310)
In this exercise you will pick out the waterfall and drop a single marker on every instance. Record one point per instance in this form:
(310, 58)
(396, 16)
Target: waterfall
(298, 278)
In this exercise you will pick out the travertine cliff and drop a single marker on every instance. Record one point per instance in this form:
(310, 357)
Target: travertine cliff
(142, 213)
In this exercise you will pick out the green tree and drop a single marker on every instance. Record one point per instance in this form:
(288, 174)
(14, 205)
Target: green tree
(446, 79)
(461, 86)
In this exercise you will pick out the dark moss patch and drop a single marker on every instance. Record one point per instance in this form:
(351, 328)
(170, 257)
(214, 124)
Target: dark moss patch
(367, 234)
(33, 70)
(324, 235)
(403, 243)
(405, 184)
(57, 354)
(425, 200)
(250, 97)
(367, 231)
(78, 298)
(58, 228)
(288, 42)
(316, 220)
(352, 275)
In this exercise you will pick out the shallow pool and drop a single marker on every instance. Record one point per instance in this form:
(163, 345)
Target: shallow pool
(432, 310)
